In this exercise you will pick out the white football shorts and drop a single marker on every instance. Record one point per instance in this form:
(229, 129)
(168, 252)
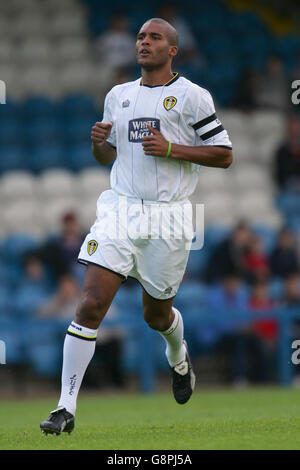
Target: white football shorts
(146, 240)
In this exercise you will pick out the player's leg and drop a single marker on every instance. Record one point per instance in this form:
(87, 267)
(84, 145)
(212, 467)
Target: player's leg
(100, 287)
(161, 316)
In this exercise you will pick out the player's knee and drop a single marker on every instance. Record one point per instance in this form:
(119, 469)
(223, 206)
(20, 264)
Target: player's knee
(156, 321)
(91, 310)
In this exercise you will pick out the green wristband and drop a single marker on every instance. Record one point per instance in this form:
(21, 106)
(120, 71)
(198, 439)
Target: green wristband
(169, 149)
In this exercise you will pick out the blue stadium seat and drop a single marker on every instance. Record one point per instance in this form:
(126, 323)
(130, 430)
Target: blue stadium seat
(38, 107)
(78, 106)
(215, 235)
(287, 45)
(207, 17)
(288, 203)
(28, 299)
(14, 246)
(190, 293)
(294, 224)
(129, 298)
(80, 157)
(10, 273)
(97, 23)
(45, 359)
(13, 157)
(43, 343)
(138, 16)
(5, 299)
(9, 132)
(46, 156)
(245, 22)
(77, 130)
(196, 262)
(10, 334)
(218, 45)
(11, 110)
(276, 289)
(43, 131)
(260, 42)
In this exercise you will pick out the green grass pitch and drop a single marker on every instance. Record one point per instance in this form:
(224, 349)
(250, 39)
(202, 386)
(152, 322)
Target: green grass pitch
(267, 418)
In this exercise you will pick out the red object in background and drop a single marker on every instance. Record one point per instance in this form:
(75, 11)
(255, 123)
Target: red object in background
(256, 262)
(266, 329)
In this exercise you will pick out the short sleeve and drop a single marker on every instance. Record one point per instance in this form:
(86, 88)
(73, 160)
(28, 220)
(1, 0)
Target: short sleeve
(108, 116)
(204, 120)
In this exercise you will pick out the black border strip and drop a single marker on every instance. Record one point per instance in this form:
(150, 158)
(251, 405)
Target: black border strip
(154, 298)
(224, 146)
(80, 337)
(176, 76)
(83, 261)
(204, 121)
(213, 132)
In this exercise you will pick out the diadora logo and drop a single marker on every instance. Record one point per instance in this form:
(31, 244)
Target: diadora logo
(77, 327)
(72, 384)
(169, 102)
(137, 128)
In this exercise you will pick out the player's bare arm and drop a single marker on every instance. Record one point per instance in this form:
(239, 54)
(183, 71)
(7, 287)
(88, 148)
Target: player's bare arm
(206, 155)
(103, 152)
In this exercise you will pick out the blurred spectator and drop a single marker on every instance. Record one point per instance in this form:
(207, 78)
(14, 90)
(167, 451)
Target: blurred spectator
(106, 367)
(227, 300)
(34, 288)
(63, 303)
(296, 70)
(60, 253)
(256, 262)
(116, 46)
(260, 301)
(287, 157)
(229, 256)
(291, 295)
(245, 96)
(266, 330)
(291, 301)
(272, 90)
(229, 294)
(188, 51)
(121, 75)
(284, 258)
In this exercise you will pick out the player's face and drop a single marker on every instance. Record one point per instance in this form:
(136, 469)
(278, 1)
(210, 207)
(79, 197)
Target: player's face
(152, 47)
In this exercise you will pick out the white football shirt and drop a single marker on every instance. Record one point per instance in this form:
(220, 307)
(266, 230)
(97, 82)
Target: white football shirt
(183, 112)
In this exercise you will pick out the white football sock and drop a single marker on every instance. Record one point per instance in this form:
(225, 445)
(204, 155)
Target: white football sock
(79, 348)
(173, 336)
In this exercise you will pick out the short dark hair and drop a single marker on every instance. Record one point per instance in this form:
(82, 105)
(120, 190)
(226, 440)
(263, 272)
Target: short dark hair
(171, 33)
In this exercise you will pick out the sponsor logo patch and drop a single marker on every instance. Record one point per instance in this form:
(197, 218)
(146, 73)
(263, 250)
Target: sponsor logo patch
(92, 247)
(169, 102)
(137, 128)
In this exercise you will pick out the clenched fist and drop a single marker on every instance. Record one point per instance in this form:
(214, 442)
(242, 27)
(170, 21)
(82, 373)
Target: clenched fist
(101, 132)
